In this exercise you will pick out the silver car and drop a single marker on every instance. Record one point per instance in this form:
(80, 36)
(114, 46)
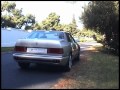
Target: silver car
(49, 47)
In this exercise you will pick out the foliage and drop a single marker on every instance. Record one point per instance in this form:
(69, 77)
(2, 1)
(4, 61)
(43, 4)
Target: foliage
(87, 35)
(29, 21)
(6, 6)
(71, 28)
(52, 21)
(37, 26)
(12, 17)
(103, 16)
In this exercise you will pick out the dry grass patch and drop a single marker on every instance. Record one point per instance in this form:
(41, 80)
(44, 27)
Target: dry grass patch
(96, 70)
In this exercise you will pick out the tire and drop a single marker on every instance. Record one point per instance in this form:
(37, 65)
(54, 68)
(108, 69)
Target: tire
(23, 65)
(68, 66)
(78, 57)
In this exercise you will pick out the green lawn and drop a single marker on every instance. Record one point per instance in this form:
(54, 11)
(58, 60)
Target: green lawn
(7, 49)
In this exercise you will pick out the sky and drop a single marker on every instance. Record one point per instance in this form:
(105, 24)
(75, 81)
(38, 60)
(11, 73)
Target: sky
(65, 9)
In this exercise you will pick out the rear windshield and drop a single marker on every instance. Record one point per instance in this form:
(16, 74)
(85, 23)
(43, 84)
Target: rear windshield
(46, 35)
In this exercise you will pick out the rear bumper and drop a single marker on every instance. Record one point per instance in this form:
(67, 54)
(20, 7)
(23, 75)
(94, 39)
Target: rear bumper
(35, 58)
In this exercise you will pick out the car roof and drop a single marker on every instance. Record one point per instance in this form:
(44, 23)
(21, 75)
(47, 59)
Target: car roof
(49, 31)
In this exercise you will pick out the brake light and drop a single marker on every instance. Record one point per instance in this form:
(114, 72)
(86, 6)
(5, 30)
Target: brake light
(20, 48)
(55, 50)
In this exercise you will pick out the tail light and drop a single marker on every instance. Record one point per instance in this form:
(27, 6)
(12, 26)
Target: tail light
(20, 48)
(55, 50)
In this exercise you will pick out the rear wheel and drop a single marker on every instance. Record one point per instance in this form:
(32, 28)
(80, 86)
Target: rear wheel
(78, 57)
(69, 64)
(23, 65)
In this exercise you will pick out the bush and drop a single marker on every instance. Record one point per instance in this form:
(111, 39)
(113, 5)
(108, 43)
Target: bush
(87, 35)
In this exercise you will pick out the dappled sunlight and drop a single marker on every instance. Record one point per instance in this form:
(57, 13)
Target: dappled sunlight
(93, 71)
(64, 83)
(91, 49)
(86, 84)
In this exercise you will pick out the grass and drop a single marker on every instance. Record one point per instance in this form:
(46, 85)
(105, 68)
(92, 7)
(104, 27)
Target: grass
(102, 70)
(96, 70)
(6, 49)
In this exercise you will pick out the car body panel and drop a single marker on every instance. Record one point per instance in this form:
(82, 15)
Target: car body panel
(39, 43)
(38, 58)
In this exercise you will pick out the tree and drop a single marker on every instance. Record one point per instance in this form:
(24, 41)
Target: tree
(103, 16)
(6, 6)
(18, 18)
(37, 26)
(72, 27)
(52, 21)
(29, 21)
(12, 17)
(6, 19)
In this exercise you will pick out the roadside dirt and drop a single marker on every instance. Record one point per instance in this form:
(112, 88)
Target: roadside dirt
(69, 81)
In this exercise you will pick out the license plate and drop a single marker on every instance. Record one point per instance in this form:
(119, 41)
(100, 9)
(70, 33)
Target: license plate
(37, 50)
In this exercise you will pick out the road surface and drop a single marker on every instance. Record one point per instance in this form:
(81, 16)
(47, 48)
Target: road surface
(37, 77)
(85, 45)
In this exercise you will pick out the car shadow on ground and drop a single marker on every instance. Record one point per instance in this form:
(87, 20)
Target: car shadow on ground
(43, 68)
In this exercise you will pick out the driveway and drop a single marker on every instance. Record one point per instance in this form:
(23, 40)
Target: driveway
(86, 45)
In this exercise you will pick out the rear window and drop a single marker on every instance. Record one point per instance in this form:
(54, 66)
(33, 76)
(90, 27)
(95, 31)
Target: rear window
(46, 35)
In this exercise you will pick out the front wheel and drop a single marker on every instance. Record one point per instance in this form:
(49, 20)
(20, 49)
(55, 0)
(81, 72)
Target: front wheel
(78, 57)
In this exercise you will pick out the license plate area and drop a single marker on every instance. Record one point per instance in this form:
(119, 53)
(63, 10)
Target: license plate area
(37, 50)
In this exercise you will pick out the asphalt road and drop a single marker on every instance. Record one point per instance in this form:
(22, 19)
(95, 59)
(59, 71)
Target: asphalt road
(37, 77)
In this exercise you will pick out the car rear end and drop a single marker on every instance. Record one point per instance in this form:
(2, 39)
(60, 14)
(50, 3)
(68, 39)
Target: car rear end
(50, 50)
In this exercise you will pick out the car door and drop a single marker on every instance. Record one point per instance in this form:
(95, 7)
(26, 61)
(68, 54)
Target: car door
(73, 44)
(76, 49)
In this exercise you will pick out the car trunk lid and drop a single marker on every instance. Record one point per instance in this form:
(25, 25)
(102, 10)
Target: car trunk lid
(43, 43)
(39, 46)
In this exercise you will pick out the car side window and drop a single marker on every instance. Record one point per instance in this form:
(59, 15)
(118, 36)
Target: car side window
(69, 38)
(61, 35)
(73, 40)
